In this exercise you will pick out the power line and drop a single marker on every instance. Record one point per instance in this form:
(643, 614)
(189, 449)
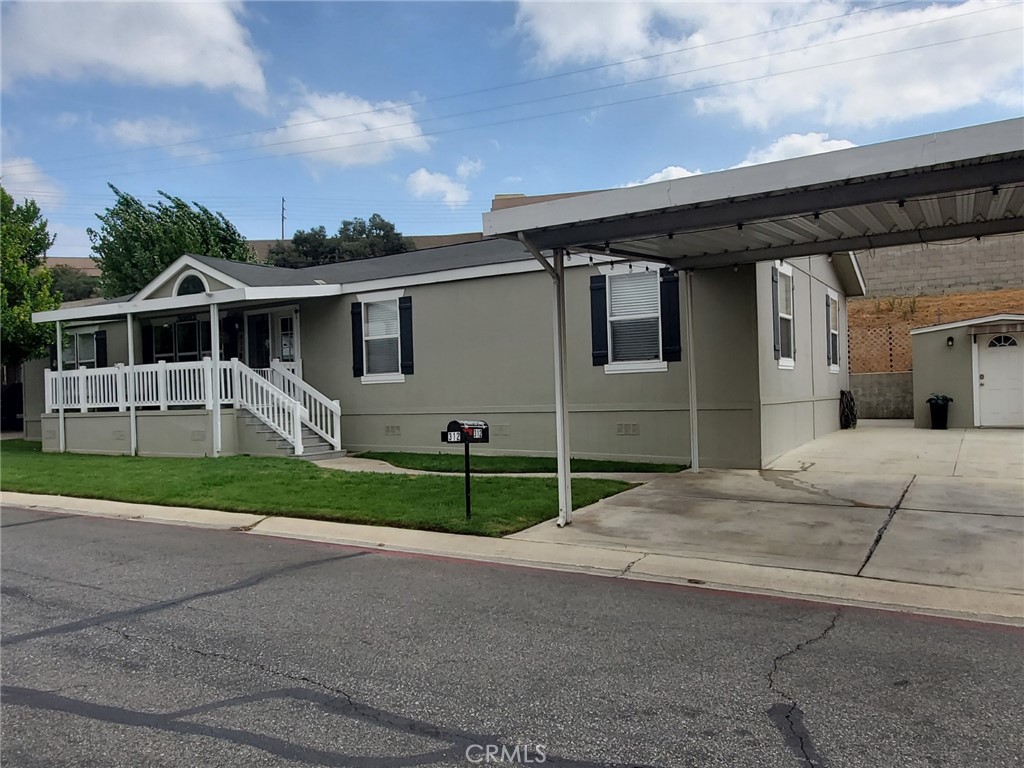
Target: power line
(559, 113)
(490, 89)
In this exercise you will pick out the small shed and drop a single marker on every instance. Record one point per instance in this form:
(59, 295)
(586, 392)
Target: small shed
(979, 363)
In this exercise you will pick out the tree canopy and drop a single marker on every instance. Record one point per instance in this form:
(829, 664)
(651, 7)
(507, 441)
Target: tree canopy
(26, 282)
(74, 284)
(136, 242)
(355, 239)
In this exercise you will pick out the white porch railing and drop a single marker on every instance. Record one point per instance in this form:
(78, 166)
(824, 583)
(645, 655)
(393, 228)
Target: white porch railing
(165, 385)
(324, 415)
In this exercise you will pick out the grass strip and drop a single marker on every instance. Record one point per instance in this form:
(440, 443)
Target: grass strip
(454, 462)
(295, 488)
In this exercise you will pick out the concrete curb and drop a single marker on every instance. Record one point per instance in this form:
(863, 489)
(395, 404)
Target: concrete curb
(968, 604)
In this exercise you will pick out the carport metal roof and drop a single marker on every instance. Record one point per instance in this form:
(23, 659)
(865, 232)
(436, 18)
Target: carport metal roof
(963, 183)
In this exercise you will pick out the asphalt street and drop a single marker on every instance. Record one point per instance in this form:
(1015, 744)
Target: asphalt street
(134, 644)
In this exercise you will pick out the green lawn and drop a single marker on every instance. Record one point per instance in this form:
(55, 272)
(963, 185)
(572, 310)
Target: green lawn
(455, 462)
(295, 488)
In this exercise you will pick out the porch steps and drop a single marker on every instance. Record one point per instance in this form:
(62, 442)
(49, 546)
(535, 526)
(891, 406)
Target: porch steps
(314, 447)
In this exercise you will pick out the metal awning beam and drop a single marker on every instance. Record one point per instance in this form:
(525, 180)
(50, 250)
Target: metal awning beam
(785, 204)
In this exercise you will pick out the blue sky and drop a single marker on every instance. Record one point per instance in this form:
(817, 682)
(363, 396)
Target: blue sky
(423, 111)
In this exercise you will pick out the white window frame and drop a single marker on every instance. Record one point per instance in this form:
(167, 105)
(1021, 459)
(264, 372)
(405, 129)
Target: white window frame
(73, 345)
(630, 366)
(786, 363)
(191, 273)
(379, 298)
(834, 297)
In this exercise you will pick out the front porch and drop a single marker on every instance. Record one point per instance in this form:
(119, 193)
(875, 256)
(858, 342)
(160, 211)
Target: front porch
(203, 408)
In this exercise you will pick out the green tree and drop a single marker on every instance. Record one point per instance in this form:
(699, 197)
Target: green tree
(136, 242)
(26, 282)
(74, 284)
(355, 239)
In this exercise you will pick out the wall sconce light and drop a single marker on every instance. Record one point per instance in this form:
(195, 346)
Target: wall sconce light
(949, 341)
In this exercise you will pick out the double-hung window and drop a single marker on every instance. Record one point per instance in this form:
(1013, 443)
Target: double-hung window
(832, 318)
(783, 306)
(634, 318)
(382, 337)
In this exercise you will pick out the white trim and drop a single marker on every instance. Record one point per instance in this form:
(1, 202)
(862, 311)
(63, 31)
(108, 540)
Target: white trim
(976, 384)
(172, 303)
(383, 378)
(1002, 318)
(639, 366)
(191, 273)
(189, 261)
(860, 275)
(785, 268)
(833, 367)
(380, 296)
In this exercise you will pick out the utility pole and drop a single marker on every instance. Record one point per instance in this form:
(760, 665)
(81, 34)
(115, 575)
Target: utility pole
(282, 218)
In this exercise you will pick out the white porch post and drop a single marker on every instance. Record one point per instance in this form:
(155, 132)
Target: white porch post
(557, 273)
(133, 427)
(60, 388)
(215, 363)
(691, 369)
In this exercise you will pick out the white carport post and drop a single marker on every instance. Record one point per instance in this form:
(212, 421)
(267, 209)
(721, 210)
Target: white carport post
(691, 369)
(60, 388)
(133, 427)
(215, 377)
(557, 273)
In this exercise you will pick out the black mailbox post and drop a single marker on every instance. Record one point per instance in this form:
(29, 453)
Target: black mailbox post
(466, 432)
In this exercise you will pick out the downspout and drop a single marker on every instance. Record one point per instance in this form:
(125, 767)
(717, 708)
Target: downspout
(691, 369)
(60, 388)
(557, 273)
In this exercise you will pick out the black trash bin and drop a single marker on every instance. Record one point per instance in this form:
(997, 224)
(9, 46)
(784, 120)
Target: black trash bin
(939, 405)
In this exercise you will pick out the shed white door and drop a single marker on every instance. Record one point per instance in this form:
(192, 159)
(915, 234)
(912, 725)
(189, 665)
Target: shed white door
(1001, 380)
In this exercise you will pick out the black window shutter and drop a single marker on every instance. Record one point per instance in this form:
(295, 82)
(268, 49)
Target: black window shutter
(599, 319)
(53, 357)
(776, 332)
(100, 340)
(357, 339)
(405, 333)
(671, 343)
(792, 304)
(147, 345)
(828, 328)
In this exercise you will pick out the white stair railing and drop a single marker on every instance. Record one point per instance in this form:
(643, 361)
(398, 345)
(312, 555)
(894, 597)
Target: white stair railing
(269, 404)
(323, 414)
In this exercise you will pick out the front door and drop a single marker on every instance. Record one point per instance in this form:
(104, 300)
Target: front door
(257, 340)
(1001, 380)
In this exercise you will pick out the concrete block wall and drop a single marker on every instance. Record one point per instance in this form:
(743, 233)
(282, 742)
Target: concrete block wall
(957, 266)
(883, 395)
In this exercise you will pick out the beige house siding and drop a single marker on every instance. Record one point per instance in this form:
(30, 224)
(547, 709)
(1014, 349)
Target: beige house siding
(945, 370)
(801, 404)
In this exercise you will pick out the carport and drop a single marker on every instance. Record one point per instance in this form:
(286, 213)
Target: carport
(963, 183)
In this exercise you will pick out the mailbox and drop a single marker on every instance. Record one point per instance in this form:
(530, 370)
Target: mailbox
(466, 432)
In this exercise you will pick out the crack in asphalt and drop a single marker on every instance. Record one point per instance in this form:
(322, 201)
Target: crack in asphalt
(788, 717)
(162, 605)
(884, 527)
(630, 565)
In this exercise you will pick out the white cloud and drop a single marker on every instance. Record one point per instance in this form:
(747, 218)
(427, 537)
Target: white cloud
(70, 240)
(154, 43)
(468, 168)
(22, 178)
(343, 130)
(665, 174)
(783, 148)
(794, 145)
(154, 131)
(512, 179)
(871, 91)
(424, 184)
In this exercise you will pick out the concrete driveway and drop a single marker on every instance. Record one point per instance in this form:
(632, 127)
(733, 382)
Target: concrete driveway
(880, 502)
